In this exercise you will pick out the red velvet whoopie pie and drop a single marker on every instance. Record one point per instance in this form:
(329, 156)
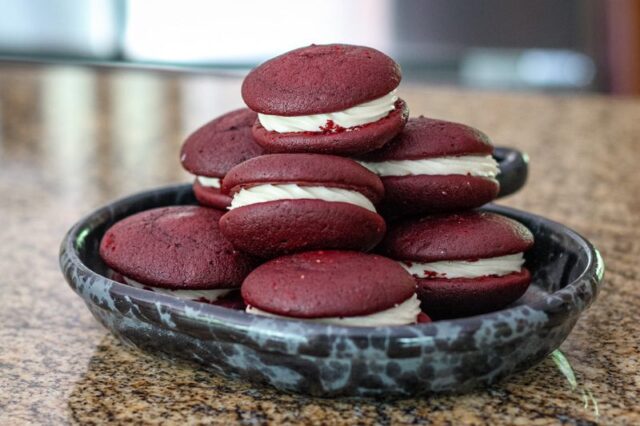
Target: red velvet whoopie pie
(334, 287)
(465, 263)
(212, 150)
(435, 166)
(330, 99)
(177, 250)
(284, 203)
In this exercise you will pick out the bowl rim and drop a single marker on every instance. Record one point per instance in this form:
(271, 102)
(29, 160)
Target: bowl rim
(557, 306)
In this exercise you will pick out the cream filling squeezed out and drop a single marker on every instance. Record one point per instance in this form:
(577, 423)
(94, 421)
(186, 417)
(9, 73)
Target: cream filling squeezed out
(493, 266)
(210, 182)
(473, 165)
(358, 115)
(206, 295)
(291, 191)
(401, 314)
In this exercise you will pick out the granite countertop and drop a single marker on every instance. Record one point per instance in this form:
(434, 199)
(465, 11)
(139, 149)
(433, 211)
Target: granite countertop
(74, 138)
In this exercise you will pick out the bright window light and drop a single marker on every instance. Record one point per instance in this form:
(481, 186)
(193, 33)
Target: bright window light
(61, 27)
(556, 68)
(248, 31)
(527, 68)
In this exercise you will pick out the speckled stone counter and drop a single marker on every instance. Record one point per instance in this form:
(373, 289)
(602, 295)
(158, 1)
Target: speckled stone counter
(72, 139)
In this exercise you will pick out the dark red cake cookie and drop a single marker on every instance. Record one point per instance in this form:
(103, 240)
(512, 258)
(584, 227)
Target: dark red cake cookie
(336, 287)
(212, 150)
(331, 99)
(435, 166)
(466, 263)
(286, 203)
(176, 250)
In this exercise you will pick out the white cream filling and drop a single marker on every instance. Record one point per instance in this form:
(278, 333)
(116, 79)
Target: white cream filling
(405, 313)
(493, 266)
(358, 115)
(211, 182)
(207, 295)
(474, 165)
(291, 191)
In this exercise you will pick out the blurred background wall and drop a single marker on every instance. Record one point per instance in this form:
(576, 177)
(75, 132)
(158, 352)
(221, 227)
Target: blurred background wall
(577, 45)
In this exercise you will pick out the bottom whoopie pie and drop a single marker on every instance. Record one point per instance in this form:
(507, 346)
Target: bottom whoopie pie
(334, 287)
(176, 250)
(465, 264)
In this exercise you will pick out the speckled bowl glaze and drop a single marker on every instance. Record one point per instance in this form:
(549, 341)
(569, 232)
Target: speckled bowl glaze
(514, 169)
(454, 355)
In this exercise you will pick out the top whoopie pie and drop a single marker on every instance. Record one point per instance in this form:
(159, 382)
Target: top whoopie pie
(435, 166)
(332, 99)
(284, 203)
(212, 150)
(333, 287)
(177, 250)
(465, 263)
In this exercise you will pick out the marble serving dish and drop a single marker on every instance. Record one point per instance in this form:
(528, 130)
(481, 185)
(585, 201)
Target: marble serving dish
(452, 355)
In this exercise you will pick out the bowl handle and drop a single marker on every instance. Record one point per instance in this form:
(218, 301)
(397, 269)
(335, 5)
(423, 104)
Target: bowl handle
(514, 168)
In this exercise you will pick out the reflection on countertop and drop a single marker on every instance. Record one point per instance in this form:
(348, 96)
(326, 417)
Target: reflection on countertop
(74, 138)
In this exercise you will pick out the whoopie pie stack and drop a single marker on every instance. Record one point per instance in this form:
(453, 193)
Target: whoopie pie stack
(323, 169)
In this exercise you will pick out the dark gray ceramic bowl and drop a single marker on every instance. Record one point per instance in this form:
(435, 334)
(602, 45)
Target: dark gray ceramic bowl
(453, 355)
